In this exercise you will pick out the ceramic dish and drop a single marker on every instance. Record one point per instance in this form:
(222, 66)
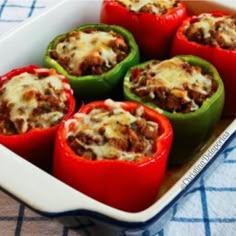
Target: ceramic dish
(52, 198)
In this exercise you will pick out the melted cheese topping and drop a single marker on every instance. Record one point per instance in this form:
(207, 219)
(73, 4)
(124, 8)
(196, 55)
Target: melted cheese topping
(82, 45)
(216, 28)
(172, 75)
(20, 94)
(111, 120)
(157, 7)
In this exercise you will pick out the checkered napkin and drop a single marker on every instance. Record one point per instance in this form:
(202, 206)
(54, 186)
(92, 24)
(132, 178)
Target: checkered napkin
(209, 209)
(12, 12)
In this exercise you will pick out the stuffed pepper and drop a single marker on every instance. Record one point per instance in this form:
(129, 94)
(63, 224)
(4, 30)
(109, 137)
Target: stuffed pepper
(33, 102)
(212, 36)
(94, 57)
(152, 22)
(115, 152)
(186, 89)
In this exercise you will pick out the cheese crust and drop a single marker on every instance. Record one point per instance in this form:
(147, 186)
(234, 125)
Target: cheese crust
(29, 101)
(112, 133)
(173, 85)
(90, 52)
(157, 7)
(213, 30)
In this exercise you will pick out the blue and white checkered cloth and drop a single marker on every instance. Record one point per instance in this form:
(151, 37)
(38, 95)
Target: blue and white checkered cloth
(12, 12)
(210, 208)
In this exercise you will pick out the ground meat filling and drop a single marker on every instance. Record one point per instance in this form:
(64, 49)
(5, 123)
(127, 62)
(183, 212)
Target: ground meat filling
(90, 52)
(157, 7)
(213, 30)
(173, 85)
(112, 133)
(30, 101)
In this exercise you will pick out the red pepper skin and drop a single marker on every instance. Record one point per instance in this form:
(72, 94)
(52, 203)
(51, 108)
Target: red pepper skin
(153, 33)
(224, 61)
(129, 186)
(36, 145)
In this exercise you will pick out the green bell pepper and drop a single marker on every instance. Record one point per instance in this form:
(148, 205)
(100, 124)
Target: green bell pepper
(192, 129)
(91, 86)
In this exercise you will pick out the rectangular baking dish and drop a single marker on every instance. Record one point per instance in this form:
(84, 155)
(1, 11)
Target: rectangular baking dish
(48, 196)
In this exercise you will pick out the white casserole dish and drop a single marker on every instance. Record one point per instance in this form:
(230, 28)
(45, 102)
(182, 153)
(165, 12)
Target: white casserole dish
(50, 197)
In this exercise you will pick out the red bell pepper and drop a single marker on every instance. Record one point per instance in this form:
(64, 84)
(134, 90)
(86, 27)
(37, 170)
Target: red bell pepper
(126, 185)
(152, 32)
(36, 145)
(224, 60)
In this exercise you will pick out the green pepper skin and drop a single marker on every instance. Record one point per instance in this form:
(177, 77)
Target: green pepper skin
(191, 130)
(97, 86)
